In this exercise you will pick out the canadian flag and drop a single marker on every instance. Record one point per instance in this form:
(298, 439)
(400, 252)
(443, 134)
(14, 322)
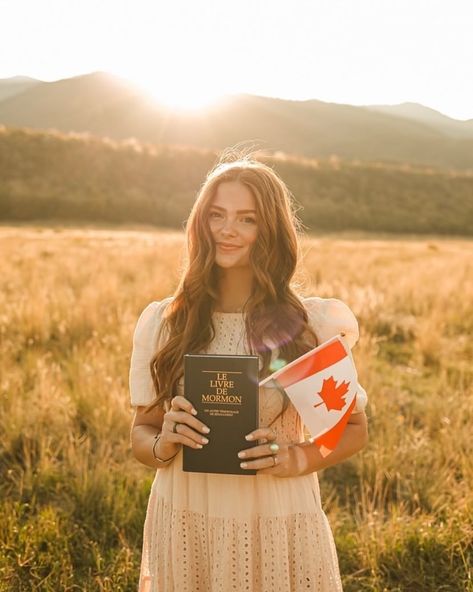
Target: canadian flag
(322, 385)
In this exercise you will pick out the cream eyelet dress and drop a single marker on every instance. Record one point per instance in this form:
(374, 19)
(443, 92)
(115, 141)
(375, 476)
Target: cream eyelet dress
(221, 533)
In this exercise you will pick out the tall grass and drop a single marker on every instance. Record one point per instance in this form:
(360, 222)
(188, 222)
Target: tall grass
(72, 498)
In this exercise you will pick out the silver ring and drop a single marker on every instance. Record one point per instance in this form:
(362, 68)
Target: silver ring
(275, 460)
(174, 429)
(274, 448)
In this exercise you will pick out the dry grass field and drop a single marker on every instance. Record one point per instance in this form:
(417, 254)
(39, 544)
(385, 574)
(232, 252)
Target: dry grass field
(72, 497)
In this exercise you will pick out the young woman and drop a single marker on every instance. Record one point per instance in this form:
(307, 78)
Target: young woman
(209, 532)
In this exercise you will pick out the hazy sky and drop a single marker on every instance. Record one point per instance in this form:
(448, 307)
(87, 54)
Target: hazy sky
(344, 51)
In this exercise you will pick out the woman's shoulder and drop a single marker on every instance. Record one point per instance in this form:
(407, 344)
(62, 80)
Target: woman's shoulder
(330, 316)
(149, 321)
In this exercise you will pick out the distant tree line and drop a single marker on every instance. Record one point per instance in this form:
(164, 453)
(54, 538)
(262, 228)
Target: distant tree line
(77, 177)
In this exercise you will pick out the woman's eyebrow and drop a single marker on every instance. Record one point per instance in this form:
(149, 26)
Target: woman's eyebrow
(238, 211)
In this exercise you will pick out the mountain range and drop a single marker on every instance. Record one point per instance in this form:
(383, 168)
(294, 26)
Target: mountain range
(108, 106)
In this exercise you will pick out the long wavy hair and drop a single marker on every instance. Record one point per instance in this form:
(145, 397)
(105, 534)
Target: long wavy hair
(275, 316)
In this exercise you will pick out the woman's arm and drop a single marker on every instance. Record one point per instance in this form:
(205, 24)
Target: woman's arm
(146, 426)
(354, 438)
(301, 459)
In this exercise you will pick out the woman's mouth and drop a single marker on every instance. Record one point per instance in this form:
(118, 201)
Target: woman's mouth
(228, 247)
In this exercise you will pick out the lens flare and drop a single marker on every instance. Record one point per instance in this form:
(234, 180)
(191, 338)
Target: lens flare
(277, 364)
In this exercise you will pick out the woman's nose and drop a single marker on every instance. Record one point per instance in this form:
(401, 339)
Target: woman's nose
(228, 226)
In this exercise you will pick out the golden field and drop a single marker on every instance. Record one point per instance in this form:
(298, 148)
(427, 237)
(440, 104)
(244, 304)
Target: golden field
(72, 497)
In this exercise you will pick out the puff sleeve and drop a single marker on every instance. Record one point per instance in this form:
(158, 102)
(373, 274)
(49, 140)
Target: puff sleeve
(145, 345)
(328, 317)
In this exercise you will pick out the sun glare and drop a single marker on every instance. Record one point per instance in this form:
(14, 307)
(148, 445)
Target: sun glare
(182, 97)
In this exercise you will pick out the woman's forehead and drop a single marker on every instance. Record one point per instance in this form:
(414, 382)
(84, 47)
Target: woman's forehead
(233, 195)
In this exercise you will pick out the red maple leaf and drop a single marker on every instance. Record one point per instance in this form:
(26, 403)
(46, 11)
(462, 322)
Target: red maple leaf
(332, 394)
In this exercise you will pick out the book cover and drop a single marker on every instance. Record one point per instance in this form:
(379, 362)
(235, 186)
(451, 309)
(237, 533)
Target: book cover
(224, 392)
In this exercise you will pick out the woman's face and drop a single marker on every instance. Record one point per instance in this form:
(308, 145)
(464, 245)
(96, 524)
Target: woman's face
(233, 224)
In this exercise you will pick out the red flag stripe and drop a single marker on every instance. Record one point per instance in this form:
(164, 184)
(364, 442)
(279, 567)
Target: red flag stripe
(331, 438)
(333, 353)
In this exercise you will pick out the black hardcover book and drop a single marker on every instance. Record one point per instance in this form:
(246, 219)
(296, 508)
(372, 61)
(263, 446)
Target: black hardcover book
(224, 392)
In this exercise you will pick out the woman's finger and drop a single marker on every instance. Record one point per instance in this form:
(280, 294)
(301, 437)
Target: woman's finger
(189, 433)
(261, 434)
(182, 439)
(258, 451)
(173, 417)
(267, 462)
(181, 403)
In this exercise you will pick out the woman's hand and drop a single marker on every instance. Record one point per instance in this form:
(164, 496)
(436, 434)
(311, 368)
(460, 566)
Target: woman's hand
(270, 457)
(180, 427)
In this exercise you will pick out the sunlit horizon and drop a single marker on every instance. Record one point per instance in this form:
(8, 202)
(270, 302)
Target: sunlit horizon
(178, 98)
(188, 55)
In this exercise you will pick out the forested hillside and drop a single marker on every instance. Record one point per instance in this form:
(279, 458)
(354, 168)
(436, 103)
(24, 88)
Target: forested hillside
(54, 176)
(107, 106)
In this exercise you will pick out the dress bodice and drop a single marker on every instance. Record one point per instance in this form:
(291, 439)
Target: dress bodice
(327, 317)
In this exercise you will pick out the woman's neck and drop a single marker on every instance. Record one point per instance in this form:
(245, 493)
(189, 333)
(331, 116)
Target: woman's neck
(234, 286)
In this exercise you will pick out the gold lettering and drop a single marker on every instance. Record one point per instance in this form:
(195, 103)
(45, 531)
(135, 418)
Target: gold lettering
(222, 398)
(222, 384)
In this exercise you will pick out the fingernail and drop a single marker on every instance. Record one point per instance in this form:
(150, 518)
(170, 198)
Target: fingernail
(198, 446)
(249, 437)
(241, 454)
(194, 412)
(243, 465)
(205, 441)
(206, 430)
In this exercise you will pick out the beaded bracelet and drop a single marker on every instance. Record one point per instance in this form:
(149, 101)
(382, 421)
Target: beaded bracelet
(168, 460)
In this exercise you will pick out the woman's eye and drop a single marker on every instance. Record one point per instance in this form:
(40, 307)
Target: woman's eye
(215, 215)
(249, 220)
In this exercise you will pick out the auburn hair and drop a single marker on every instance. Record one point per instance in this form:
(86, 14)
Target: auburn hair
(275, 316)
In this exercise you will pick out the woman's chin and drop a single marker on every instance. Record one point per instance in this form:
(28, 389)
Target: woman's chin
(228, 263)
